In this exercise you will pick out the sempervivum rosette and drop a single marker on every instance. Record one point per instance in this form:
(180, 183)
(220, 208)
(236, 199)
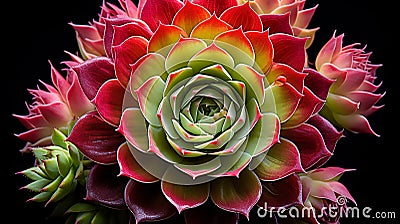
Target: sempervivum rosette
(353, 96)
(194, 106)
(58, 106)
(323, 192)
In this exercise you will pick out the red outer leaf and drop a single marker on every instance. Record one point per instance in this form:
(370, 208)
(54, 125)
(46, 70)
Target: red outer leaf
(295, 78)
(339, 188)
(217, 7)
(242, 16)
(289, 50)
(210, 28)
(147, 202)
(307, 105)
(164, 37)
(189, 16)
(282, 160)
(285, 192)
(127, 53)
(59, 82)
(110, 192)
(210, 214)
(109, 101)
(327, 173)
(156, 11)
(277, 23)
(239, 194)
(263, 49)
(185, 196)
(310, 143)
(77, 100)
(129, 167)
(135, 28)
(329, 133)
(32, 121)
(318, 84)
(56, 113)
(93, 73)
(35, 134)
(96, 139)
(109, 32)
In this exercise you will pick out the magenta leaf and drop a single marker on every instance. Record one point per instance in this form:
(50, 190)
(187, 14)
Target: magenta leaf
(238, 194)
(216, 7)
(147, 202)
(186, 196)
(109, 193)
(109, 101)
(93, 73)
(310, 143)
(96, 139)
(285, 192)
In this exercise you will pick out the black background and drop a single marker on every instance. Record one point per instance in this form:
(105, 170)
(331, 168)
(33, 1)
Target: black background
(34, 32)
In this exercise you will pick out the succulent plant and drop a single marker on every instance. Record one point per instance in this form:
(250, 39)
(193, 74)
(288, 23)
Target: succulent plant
(206, 109)
(59, 169)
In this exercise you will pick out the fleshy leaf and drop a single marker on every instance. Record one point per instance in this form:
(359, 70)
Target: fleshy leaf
(155, 12)
(239, 166)
(357, 123)
(146, 67)
(163, 39)
(189, 16)
(306, 108)
(133, 127)
(109, 193)
(210, 28)
(182, 52)
(327, 173)
(93, 73)
(147, 202)
(285, 192)
(281, 98)
(254, 81)
(242, 16)
(126, 54)
(136, 28)
(283, 159)
(101, 144)
(198, 170)
(108, 101)
(150, 95)
(76, 98)
(264, 135)
(237, 45)
(277, 23)
(216, 7)
(110, 24)
(129, 167)
(186, 196)
(263, 50)
(238, 194)
(310, 143)
(328, 131)
(175, 77)
(289, 50)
